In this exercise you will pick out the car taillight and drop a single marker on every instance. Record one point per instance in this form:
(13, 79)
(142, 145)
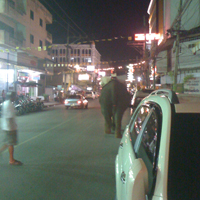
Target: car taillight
(79, 102)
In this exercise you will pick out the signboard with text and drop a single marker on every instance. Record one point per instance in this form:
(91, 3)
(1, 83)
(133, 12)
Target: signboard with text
(149, 36)
(192, 86)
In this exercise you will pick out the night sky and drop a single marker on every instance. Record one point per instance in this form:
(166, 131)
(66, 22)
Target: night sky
(96, 20)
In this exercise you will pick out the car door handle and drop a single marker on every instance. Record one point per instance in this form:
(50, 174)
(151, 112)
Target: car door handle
(123, 177)
(121, 145)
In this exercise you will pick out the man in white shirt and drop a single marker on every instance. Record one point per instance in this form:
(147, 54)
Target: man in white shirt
(9, 127)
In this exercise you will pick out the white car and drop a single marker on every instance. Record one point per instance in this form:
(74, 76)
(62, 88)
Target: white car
(89, 95)
(76, 101)
(159, 153)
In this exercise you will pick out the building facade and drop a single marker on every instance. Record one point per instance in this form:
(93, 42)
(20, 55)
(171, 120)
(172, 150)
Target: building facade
(24, 46)
(71, 61)
(164, 18)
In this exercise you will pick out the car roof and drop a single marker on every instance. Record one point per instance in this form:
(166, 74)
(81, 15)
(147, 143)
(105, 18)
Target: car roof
(187, 107)
(183, 103)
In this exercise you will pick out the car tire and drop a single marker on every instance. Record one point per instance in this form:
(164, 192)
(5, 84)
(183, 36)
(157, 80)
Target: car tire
(67, 107)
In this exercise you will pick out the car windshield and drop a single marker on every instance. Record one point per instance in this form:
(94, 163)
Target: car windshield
(183, 174)
(74, 97)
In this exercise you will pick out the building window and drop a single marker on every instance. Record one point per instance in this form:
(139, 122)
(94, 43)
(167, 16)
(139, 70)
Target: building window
(41, 23)
(40, 43)
(31, 14)
(63, 51)
(56, 60)
(11, 3)
(74, 51)
(31, 38)
(89, 52)
(63, 59)
(60, 51)
(82, 51)
(56, 52)
(53, 51)
(78, 52)
(60, 59)
(86, 51)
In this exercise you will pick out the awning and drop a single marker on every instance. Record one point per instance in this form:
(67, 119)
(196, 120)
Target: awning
(28, 84)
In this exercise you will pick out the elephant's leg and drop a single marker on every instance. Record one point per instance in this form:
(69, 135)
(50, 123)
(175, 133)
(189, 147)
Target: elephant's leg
(118, 119)
(112, 124)
(108, 124)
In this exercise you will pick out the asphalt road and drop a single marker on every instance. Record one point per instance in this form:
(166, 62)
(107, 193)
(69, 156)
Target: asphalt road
(65, 154)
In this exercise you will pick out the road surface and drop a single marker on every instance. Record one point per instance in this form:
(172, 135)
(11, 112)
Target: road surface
(65, 154)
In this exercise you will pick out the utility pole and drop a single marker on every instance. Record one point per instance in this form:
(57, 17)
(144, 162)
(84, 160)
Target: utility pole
(67, 59)
(177, 48)
(145, 56)
(7, 85)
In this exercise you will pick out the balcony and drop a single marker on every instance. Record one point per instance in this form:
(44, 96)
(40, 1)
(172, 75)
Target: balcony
(49, 36)
(13, 10)
(6, 39)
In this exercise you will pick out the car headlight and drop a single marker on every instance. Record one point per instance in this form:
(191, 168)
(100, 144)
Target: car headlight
(66, 102)
(79, 102)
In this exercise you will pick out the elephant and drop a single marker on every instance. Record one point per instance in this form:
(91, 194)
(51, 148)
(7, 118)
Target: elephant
(114, 100)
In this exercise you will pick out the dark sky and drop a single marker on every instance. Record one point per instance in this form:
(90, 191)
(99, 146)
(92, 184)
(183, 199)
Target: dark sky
(98, 20)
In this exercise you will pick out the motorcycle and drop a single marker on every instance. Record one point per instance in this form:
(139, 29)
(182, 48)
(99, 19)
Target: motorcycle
(39, 104)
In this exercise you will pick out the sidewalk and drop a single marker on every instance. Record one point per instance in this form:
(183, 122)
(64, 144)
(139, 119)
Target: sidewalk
(51, 103)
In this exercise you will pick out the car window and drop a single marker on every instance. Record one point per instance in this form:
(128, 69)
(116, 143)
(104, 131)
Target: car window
(145, 132)
(137, 121)
(74, 97)
(184, 153)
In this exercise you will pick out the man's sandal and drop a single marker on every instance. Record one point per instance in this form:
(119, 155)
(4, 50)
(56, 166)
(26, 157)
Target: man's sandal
(16, 162)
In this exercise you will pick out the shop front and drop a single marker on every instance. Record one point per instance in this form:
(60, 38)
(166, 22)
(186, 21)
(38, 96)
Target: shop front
(28, 82)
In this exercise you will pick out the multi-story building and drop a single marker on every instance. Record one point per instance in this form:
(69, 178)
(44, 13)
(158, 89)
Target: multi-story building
(24, 46)
(80, 59)
(164, 18)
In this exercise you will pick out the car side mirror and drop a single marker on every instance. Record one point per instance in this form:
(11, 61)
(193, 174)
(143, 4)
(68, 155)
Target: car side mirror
(139, 188)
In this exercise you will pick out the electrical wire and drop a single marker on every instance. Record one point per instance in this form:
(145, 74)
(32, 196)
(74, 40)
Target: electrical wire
(194, 8)
(69, 18)
(62, 18)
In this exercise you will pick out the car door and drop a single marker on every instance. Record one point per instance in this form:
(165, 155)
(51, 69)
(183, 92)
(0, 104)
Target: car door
(132, 166)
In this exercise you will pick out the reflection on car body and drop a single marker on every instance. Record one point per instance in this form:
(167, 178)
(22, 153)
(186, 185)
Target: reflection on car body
(139, 95)
(159, 152)
(76, 101)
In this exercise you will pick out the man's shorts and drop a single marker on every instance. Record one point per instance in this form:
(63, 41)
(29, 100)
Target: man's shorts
(10, 137)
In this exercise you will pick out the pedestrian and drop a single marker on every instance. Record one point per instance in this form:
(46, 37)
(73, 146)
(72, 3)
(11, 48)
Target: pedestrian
(9, 127)
(3, 95)
(55, 97)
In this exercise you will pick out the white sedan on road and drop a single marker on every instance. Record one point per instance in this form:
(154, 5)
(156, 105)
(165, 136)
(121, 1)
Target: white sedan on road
(158, 156)
(76, 101)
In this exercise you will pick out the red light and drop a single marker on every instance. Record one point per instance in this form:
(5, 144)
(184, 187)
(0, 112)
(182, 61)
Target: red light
(79, 102)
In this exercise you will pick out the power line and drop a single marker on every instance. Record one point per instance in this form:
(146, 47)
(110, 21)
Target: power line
(70, 18)
(61, 17)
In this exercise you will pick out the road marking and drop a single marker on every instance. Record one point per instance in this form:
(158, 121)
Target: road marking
(44, 132)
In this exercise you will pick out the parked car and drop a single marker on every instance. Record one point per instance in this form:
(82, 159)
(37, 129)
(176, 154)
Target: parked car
(76, 101)
(139, 95)
(158, 156)
(89, 95)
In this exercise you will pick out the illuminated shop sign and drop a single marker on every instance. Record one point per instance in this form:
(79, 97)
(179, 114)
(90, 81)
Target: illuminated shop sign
(90, 68)
(102, 73)
(151, 36)
(83, 77)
